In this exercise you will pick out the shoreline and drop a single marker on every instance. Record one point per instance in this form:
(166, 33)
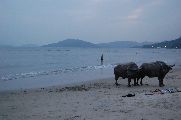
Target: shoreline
(55, 80)
(177, 69)
(98, 99)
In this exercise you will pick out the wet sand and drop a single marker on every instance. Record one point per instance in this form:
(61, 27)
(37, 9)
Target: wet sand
(95, 100)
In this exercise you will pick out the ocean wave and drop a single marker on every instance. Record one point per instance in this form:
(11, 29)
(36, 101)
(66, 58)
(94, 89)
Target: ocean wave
(54, 72)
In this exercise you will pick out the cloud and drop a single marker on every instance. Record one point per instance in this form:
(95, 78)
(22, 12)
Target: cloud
(135, 15)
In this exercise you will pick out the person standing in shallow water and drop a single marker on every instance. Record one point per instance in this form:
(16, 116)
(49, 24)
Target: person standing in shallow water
(102, 59)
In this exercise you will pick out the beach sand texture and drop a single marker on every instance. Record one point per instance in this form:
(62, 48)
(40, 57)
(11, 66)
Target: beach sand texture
(95, 100)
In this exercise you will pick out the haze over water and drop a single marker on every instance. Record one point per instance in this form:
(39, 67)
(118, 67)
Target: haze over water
(41, 67)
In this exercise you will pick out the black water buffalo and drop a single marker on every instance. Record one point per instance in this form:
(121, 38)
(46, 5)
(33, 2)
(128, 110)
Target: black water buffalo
(128, 70)
(154, 69)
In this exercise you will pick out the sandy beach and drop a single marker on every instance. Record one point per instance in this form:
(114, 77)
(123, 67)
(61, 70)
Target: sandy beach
(96, 100)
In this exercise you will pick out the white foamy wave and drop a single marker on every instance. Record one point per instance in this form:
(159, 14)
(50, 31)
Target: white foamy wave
(55, 72)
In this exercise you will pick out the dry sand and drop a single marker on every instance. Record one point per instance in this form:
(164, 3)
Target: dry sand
(95, 100)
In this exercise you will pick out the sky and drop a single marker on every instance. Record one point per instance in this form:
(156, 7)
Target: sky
(98, 21)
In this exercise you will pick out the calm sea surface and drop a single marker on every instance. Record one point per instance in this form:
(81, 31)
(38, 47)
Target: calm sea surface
(22, 68)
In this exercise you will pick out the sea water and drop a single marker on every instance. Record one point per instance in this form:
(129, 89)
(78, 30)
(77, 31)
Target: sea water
(24, 68)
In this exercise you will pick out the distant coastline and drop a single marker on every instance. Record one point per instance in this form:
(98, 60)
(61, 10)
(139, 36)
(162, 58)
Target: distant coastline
(84, 44)
(172, 44)
(76, 43)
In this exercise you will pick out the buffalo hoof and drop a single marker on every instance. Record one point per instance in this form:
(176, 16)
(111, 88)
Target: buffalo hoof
(116, 84)
(161, 85)
(129, 85)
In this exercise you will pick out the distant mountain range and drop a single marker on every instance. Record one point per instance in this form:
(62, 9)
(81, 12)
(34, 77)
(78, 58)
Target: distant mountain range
(117, 44)
(166, 44)
(84, 44)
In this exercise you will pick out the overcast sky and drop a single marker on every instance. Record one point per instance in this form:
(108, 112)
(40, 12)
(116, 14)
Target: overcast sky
(47, 21)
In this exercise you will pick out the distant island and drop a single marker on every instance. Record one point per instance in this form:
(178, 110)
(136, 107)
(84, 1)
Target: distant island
(84, 44)
(176, 44)
(71, 43)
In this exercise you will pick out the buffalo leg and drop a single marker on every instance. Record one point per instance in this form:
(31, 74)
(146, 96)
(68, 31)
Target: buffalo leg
(116, 78)
(141, 81)
(129, 81)
(161, 82)
(135, 83)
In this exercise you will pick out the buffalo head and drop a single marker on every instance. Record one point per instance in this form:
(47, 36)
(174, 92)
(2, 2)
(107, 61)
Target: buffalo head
(167, 68)
(170, 66)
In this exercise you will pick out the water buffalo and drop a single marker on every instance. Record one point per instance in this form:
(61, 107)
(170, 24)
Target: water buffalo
(128, 70)
(154, 69)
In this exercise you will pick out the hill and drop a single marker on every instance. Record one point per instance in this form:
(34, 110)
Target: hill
(71, 43)
(166, 44)
(119, 44)
(84, 44)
